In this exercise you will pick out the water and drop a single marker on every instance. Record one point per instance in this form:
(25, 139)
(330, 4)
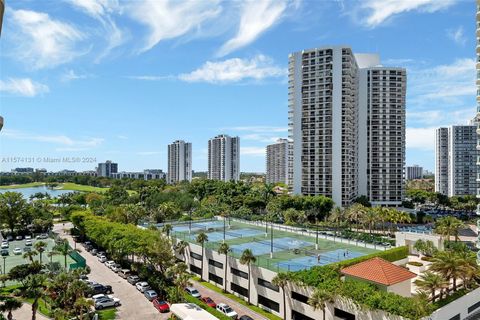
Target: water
(27, 192)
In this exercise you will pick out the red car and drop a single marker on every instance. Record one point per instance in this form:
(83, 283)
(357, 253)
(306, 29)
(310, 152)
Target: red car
(209, 302)
(161, 306)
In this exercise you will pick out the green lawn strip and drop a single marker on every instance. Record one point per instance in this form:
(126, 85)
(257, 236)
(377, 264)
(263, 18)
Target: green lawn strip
(108, 314)
(43, 306)
(80, 187)
(21, 186)
(202, 305)
(256, 309)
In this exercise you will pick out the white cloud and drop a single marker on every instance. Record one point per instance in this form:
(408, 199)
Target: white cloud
(68, 143)
(150, 78)
(102, 10)
(41, 41)
(421, 138)
(234, 70)
(256, 18)
(457, 35)
(72, 75)
(252, 151)
(23, 87)
(378, 11)
(168, 19)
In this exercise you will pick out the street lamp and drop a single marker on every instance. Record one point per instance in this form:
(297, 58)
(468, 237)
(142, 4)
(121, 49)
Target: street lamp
(4, 259)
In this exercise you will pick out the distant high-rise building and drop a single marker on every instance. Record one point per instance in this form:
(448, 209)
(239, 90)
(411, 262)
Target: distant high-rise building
(107, 168)
(456, 160)
(277, 162)
(224, 158)
(179, 161)
(414, 172)
(347, 124)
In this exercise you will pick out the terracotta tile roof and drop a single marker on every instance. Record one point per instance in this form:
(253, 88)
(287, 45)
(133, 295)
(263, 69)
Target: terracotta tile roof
(379, 271)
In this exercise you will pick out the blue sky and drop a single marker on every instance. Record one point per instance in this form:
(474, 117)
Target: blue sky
(119, 80)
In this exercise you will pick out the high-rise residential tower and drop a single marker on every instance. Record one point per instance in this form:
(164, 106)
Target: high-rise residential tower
(347, 126)
(224, 158)
(107, 168)
(478, 102)
(414, 172)
(277, 162)
(456, 160)
(179, 161)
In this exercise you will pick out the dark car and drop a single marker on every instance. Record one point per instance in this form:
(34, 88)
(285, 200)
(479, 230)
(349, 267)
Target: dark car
(100, 288)
(4, 252)
(245, 318)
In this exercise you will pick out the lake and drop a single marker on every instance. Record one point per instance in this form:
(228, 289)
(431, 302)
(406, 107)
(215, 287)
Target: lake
(27, 192)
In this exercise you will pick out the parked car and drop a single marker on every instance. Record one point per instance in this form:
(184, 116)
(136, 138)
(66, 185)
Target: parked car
(102, 259)
(9, 238)
(17, 251)
(245, 317)
(209, 302)
(42, 236)
(116, 267)
(4, 252)
(142, 286)
(94, 251)
(106, 302)
(98, 288)
(101, 253)
(133, 279)
(124, 273)
(28, 243)
(18, 238)
(150, 294)
(226, 310)
(28, 237)
(5, 245)
(109, 263)
(27, 249)
(161, 306)
(88, 247)
(100, 296)
(193, 292)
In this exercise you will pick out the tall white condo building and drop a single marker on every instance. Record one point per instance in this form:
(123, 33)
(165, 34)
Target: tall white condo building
(224, 158)
(277, 162)
(347, 124)
(179, 161)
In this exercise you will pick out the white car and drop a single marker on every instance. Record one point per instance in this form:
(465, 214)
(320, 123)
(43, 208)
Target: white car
(28, 237)
(28, 243)
(193, 292)
(116, 267)
(142, 286)
(226, 310)
(42, 236)
(106, 302)
(102, 259)
(17, 251)
(5, 245)
(109, 263)
(100, 296)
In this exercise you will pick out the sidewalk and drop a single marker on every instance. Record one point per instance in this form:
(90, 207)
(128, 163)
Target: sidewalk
(25, 312)
(219, 298)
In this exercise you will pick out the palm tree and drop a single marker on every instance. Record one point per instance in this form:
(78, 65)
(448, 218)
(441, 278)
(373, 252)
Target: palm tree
(248, 258)
(281, 280)
(64, 250)
(337, 215)
(430, 282)
(448, 265)
(34, 289)
(40, 247)
(370, 218)
(202, 238)
(82, 305)
(355, 213)
(448, 226)
(10, 304)
(181, 248)
(29, 255)
(319, 299)
(469, 268)
(224, 249)
(167, 228)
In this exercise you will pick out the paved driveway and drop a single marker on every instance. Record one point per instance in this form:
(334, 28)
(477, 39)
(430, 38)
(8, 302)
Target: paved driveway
(25, 312)
(134, 304)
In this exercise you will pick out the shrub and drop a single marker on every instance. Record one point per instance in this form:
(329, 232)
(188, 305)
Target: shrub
(391, 255)
(415, 263)
(426, 258)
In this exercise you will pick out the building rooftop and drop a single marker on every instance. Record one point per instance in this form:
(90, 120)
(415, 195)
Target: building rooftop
(379, 271)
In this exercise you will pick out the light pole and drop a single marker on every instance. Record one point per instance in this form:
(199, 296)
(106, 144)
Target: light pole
(4, 259)
(271, 240)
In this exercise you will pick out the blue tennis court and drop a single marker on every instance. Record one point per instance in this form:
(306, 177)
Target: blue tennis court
(244, 233)
(216, 236)
(263, 246)
(308, 262)
(257, 248)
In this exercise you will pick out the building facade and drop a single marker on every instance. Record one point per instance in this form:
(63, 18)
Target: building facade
(107, 168)
(148, 174)
(456, 160)
(277, 162)
(347, 126)
(414, 172)
(224, 158)
(478, 101)
(179, 161)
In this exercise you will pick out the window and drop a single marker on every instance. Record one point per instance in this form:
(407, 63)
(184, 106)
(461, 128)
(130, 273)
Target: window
(195, 269)
(457, 317)
(238, 289)
(215, 263)
(267, 284)
(343, 314)
(473, 307)
(196, 256)
(215, 278)
(270, 304)
(298, 316)
(299, 297)
(239, 273)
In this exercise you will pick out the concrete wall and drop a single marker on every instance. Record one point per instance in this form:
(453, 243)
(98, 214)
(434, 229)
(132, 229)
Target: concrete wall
(403, 289)
(409, 239)
(458, 307)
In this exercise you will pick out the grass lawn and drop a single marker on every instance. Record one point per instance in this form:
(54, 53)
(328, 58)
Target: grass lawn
(109, 314)
(256, 309)
(21, 186)
(80, 187)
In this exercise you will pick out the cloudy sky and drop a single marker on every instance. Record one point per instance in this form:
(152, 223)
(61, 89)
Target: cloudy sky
(119, 80)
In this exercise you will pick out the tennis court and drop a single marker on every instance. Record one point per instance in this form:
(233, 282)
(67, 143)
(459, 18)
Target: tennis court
(323, 259)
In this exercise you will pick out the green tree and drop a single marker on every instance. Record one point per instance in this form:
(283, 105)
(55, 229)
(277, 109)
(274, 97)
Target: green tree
(10, 304)
(202, 238)
(448, 265)
(224, 249)
(34, 289)
(281, 280)
(449, 226)
(167, 228)
(319, 299)
(40, 246)
(29, 255)
(12, 208)
(181, 248)
(248, 258)
(430, 282)
(63, 249)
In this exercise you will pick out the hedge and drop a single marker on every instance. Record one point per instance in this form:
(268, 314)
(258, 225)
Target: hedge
(391, 255)
(218, 314)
